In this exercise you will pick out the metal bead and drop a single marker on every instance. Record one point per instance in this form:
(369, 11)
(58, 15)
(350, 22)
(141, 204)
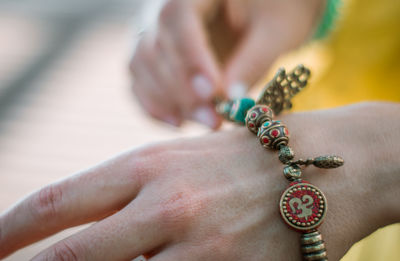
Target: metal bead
(313, 247)
(256, 116)
(328, 162)
(292, 172)
(224, 108)
(286, 154)
(273, 135)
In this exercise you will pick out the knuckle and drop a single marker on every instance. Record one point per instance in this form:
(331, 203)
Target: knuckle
(139, 173)
(155, 111)
(145, 164)
(153, 107)
(62, 251)
(46, 204)
(160, 158)
(151, 152)
(179, 209)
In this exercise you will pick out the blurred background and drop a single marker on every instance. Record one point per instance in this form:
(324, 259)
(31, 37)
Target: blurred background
(65, 102)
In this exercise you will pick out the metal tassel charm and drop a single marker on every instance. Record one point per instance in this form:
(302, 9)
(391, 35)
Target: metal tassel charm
(313, 247)
(323, 162)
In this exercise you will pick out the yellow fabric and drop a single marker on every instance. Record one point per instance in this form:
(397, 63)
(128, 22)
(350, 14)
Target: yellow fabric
(359, 62)
(361, 59)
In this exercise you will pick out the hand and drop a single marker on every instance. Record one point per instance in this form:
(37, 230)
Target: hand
(215, 197)
(201, 49)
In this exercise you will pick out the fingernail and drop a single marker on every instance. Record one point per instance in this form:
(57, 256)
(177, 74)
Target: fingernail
(202, 86)
(172, 121)
(237, 90)
(205, 116)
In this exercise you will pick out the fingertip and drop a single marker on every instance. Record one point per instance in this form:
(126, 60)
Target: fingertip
(237, 90)
(218, 122)
(206, 116)
(203, 87)
(172, 120)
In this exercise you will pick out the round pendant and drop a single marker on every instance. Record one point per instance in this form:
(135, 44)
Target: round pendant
(303, 206)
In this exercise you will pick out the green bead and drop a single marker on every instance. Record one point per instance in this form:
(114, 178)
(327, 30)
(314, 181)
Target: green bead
(240, 108)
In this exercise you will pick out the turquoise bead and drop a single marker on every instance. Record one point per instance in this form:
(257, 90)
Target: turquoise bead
(240, 108)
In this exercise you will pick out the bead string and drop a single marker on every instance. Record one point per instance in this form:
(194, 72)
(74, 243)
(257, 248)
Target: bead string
(302, 206)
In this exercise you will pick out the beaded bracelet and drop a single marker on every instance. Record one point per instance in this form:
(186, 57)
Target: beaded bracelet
(302, 206)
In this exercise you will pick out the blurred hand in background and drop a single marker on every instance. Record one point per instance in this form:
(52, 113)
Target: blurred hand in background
(202, 49)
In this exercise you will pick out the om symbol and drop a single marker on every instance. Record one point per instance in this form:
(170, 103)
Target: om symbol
(304, 205)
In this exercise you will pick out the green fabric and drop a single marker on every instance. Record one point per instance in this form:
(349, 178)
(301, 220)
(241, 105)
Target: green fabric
(328, 19)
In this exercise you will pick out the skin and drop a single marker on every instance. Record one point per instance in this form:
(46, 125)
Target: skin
(202, 49)
(215, 197)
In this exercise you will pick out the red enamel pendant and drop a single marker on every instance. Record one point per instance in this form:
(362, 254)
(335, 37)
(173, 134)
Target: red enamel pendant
(303, 206)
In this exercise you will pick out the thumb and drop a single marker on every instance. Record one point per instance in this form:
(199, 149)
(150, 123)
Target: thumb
(250, 61)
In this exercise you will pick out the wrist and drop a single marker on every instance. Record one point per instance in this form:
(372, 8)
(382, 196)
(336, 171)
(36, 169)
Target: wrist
(363, 194)
(385, 160)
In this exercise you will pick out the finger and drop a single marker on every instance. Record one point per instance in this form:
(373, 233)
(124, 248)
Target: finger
(192, 251)
(166, 78)
(125, 235)
(203, 111)
(173, 253)
(152, 84)
(254, 55)
(153, 99)
(206, 115)
(198, 73)
(85, 197)
(190, 107)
